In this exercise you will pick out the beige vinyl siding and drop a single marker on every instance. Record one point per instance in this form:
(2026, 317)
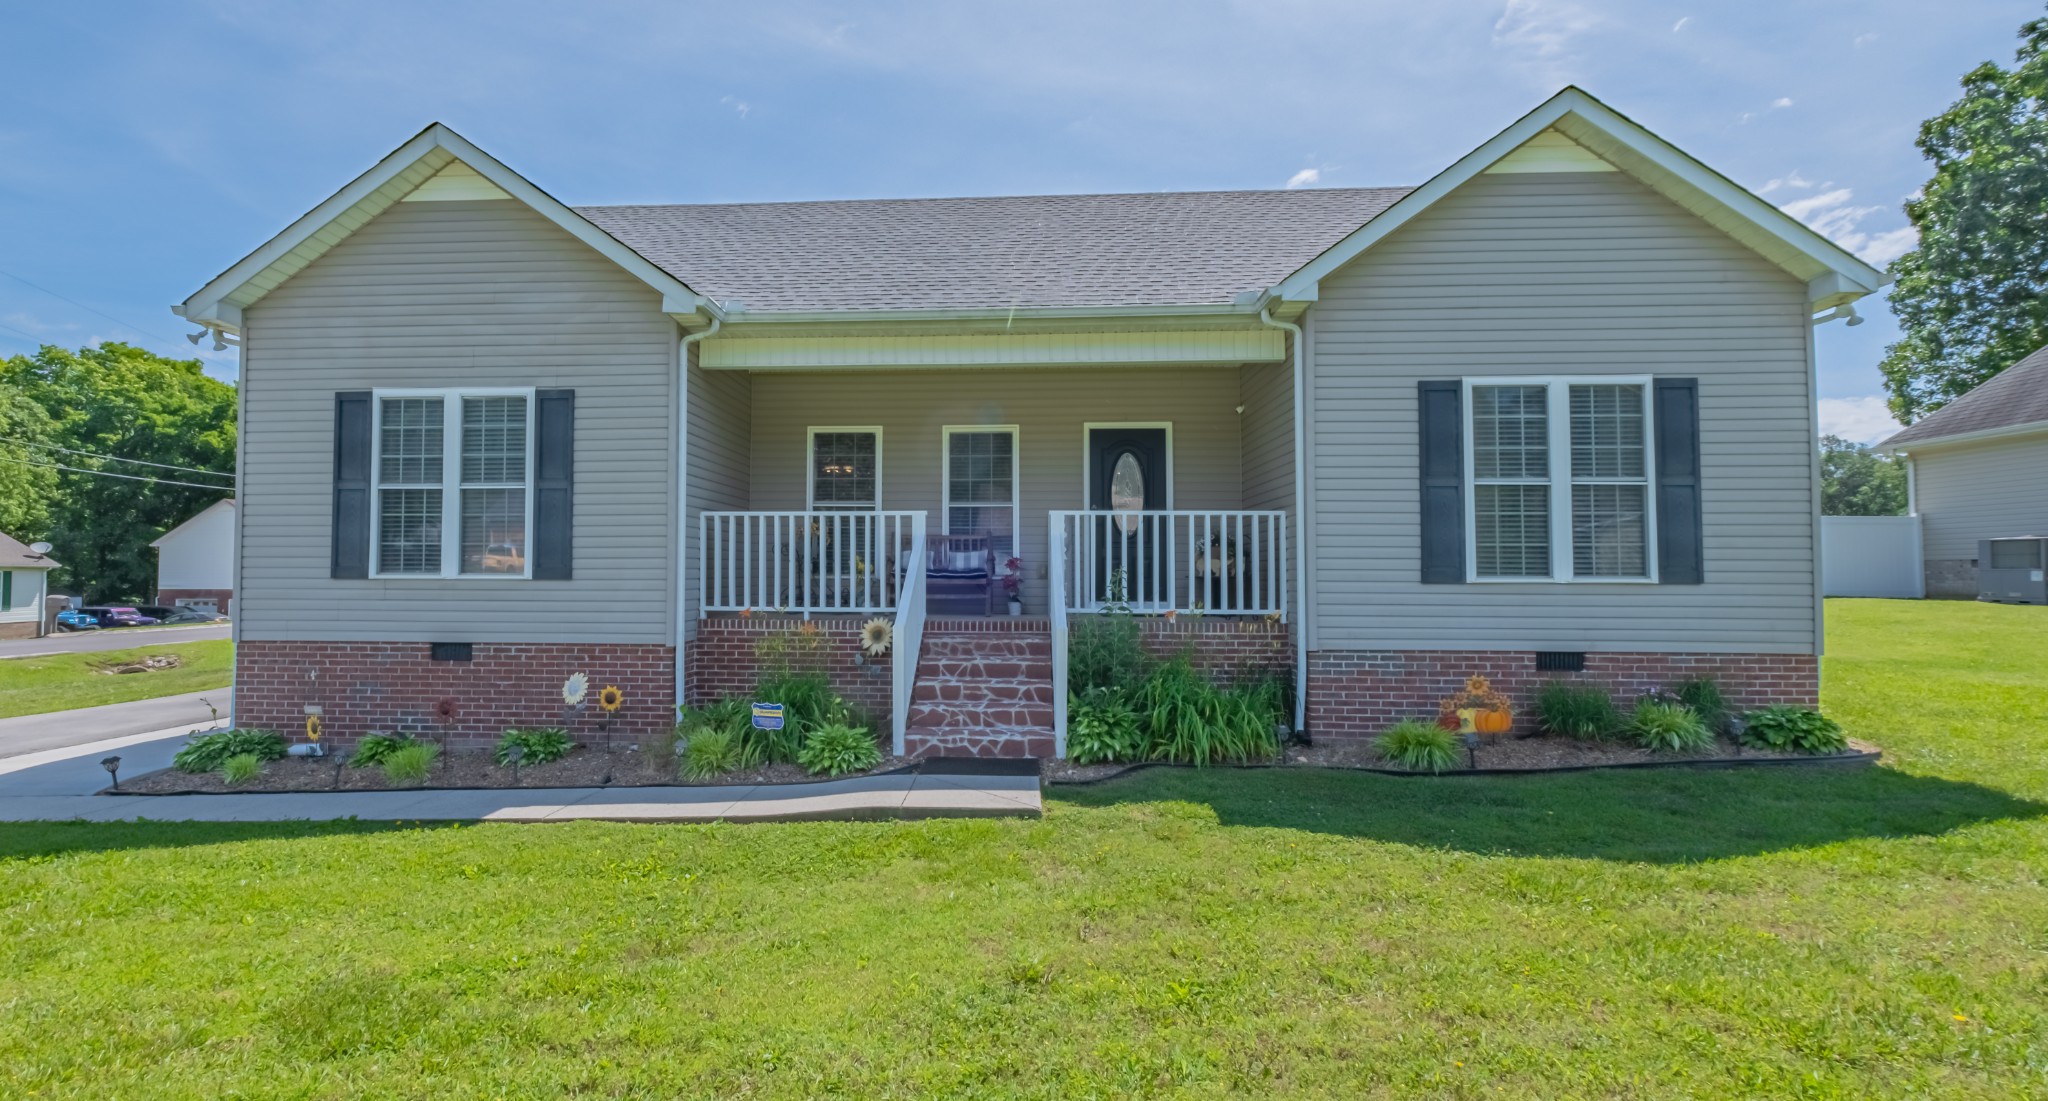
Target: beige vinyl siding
(1562, 273)
(1967, 492)
(1048, 407)
(721, 429)
(1267, 392)
(478, 293)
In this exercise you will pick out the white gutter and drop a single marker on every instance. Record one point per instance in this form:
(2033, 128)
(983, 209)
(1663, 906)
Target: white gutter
(683, 492)
(1300, 522)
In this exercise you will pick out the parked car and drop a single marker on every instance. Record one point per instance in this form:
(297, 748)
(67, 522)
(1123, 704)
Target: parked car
(71, 619)
(194, 615)
(120, 615)
(155, 611)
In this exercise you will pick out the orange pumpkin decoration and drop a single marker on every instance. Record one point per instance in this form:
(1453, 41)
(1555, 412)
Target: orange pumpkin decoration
(1493, 721)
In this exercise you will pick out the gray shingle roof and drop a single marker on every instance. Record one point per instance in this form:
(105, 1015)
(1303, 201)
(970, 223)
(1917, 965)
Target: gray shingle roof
(1154, 249)
(2013, 397)
(14, 555)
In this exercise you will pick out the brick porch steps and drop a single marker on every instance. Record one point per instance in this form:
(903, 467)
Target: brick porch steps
(983, 693)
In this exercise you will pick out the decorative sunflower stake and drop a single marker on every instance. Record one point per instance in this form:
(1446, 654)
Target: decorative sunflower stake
(609, 700)
(876, 636)
(573, 691)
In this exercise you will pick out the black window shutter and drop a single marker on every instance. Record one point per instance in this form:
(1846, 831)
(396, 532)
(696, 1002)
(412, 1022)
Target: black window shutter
(1443, 481)
(351, 533)
(1680, 540)
(554, 484)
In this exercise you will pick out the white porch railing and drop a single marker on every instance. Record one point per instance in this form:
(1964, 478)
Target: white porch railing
(805, 562)
(909, 639)
(1190, 562)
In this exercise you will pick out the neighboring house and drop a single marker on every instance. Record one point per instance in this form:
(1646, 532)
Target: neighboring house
(195, 561)
(1551, 413)
(24, 582)
(1977, 469)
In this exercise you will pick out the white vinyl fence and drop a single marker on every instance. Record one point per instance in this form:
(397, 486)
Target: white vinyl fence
(1871, 556)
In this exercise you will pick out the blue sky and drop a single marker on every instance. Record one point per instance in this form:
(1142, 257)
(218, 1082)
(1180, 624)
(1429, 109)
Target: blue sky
(146, 146)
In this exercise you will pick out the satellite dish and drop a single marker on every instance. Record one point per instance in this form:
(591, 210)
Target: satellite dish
(39, 549)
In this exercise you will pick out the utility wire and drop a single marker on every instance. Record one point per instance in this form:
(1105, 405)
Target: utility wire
(111, 474)
(114, 458)
(87, 309)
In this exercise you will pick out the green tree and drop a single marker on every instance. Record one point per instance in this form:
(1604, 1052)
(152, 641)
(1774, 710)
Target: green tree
(28, 485)
(1856, 481)
(119, 401)
(1972, 298)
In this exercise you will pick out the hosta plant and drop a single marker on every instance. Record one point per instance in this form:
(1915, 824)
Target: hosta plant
(837, 749)
(1102, 726)
(542, 745)
(1793, 728)
(207, 752)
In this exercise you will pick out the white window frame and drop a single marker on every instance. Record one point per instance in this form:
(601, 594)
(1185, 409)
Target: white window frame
(451, 480)
(1558, 400)
(811, 468)
(946, 434)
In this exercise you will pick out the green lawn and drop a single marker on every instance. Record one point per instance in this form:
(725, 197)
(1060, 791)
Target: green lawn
(32, 686)
(1803, 932)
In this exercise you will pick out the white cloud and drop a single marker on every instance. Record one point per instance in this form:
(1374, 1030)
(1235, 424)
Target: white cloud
(1860, 420)
(1307, 177)
(1833, 212)
(739, 107)
(1864, 39)
(1542, 31)
(1781, 102)
(1680, 25)
(1791, 179)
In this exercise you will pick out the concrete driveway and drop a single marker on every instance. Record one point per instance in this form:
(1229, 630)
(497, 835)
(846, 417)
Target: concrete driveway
(113, 638)
(59, 729)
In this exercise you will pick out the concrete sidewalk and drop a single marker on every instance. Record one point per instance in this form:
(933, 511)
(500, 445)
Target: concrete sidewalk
(57, 729)
(58, 786)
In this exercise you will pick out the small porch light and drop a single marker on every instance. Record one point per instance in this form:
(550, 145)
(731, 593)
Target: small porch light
(113, 767)
(513, 754)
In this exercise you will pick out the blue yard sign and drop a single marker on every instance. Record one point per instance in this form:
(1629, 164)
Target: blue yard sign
(767, 716)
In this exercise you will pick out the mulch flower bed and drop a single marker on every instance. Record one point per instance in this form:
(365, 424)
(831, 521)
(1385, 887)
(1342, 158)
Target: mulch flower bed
(473, 768)
(1496, 754)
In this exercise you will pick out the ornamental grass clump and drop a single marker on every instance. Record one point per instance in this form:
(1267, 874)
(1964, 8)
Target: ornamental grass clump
(1583, 711)
(240, 769)
(709, 751)
(410, 764)
(375, 748)
(1188, 720)
(1793, 728)
(1422, 746)
(836, 749)
(1668, 726)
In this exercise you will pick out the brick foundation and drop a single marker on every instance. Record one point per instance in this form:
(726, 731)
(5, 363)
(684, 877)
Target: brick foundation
(1359, 693)
(726, 659)
(223, 599)
(382, 686)
(1225, 649)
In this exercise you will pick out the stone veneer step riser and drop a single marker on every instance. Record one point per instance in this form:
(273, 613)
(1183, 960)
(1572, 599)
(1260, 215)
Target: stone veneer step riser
(983, 695)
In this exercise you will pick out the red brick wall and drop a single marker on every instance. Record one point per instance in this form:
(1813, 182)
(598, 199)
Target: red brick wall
(223, 599)
(725, 660)
(1222, 648)
(1359, 693)
(383, 686)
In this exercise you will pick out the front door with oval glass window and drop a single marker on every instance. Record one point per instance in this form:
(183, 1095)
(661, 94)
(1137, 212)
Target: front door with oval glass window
(1127, 477)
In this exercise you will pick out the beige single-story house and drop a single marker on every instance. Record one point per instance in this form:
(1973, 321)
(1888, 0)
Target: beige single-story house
(1551, 412)
(1977, 471)
(195, 561)
(24, 583)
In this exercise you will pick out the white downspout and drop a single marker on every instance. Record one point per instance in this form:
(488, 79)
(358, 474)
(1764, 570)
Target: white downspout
(1300, 522)
(683, 493)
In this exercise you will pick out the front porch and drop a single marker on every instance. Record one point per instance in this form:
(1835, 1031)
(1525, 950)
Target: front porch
(928, 498)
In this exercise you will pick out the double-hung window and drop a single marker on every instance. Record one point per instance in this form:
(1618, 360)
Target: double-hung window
(1559, 476)
(846, 469)
(453, 475)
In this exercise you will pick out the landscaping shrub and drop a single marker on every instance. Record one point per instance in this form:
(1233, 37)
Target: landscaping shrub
(374, 748)
(709, 751)
(1793, 728)
(1660, 724)
(240, 769)
(1105, 652)
(1102, 726)
(836, 749)
(542, 744)
(207, 752)
(1188, 720)
(410, 764)
(808, 703)
(1577, 710)
(1703, 696)
(1420, 745)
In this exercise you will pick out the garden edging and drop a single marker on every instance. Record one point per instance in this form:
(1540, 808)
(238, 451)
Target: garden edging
(1856, 759)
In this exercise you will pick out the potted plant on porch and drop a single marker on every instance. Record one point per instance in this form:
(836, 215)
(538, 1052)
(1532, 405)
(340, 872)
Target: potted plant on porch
(1013, 583)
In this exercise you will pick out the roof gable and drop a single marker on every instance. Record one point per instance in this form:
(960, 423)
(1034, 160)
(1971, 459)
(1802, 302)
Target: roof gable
(2013, 400)
(225, 503)
(15, 555)
(436, 163)
(1832, 274)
